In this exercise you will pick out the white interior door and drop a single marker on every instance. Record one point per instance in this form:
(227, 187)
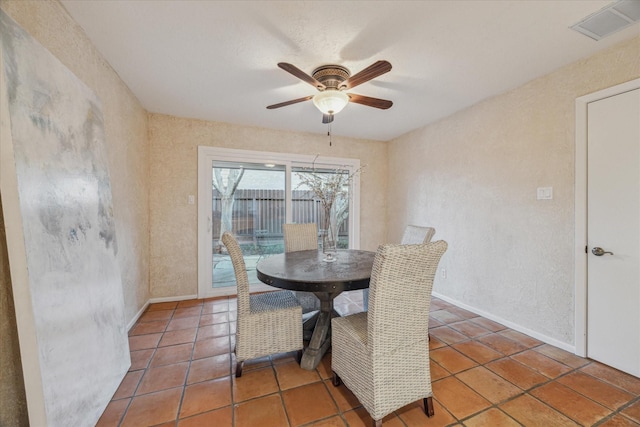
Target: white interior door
(613, 206)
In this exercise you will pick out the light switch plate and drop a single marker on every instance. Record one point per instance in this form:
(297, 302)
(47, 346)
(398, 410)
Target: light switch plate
(545, 193)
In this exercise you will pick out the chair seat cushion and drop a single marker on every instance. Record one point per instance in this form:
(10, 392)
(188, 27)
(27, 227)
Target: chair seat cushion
(270, 301)
(308, 301)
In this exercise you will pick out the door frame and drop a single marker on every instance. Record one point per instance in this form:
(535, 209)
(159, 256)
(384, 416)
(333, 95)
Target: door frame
(208, 153)
(581, 223)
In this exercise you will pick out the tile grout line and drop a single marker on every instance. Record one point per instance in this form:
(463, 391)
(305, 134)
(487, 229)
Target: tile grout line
(148, 366)
(493, 405)
(186, 376)
(535, 367)
(232, 362)
(335, 402)
(527, 391)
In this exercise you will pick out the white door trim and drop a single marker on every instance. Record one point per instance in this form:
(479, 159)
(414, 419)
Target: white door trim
(205, 156)
(580, 192)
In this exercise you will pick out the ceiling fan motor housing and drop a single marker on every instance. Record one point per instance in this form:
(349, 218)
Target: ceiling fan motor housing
(331, 75)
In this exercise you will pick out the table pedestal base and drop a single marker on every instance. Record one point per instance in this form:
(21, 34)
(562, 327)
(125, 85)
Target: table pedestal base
(321, 338)
(309, 324)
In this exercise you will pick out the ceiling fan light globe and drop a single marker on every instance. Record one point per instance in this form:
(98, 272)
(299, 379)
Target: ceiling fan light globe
(330, 101)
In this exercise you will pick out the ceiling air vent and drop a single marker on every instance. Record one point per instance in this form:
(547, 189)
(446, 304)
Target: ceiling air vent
(610, 19)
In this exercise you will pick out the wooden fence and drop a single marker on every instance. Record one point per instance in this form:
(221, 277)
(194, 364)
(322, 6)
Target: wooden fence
(263, 211)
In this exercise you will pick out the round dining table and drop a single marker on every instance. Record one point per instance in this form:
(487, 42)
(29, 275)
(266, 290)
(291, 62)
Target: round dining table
(311, 271)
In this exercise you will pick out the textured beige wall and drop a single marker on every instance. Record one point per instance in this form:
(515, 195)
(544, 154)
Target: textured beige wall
(174, 175)
(473, 176)
(125, 131)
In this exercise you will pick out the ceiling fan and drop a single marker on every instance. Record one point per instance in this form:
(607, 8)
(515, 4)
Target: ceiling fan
(332, 81)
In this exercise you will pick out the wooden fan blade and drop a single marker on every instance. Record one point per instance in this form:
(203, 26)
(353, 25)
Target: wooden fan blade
(383, 104)
(293, 101)
(327, 118)
(371, 72)
(292, 69)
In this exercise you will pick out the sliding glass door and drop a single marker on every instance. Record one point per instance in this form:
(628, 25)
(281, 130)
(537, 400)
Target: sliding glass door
(248, 199)
(251, 194)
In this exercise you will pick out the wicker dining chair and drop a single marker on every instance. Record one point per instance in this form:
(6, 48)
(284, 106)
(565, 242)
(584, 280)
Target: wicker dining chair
(267, 323)
(413, 235)
(302, 237)
(382, 355)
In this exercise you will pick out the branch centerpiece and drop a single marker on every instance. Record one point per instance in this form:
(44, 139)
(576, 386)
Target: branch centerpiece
(331, 187)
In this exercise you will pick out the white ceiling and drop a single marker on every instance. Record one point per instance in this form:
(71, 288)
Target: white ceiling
(216, 60)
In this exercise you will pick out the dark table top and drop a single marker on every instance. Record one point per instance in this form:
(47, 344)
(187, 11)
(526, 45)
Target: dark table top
(306, 271)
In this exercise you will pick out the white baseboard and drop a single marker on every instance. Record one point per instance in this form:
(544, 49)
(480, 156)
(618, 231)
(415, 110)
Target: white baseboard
(133, 321)
(137, 316)
(544, 338)
(172, 299)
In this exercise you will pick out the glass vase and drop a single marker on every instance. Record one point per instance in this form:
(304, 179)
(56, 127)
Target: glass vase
(330, 230)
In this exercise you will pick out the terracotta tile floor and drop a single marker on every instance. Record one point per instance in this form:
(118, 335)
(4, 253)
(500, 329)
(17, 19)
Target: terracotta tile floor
(483, 374)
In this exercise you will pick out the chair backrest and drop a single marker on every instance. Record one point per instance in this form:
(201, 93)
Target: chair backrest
(401, 285)
(414, 235)
(300, 237)
(240, 269)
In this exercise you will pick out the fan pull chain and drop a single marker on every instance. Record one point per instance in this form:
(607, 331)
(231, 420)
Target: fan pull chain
(329, 133)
